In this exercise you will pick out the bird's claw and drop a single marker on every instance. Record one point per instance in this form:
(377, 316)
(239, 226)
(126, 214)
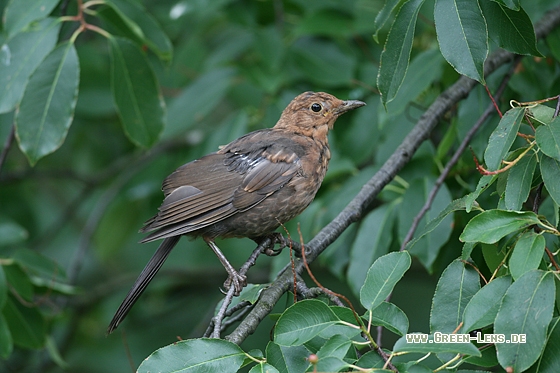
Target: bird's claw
(238, 281)
(274, 239)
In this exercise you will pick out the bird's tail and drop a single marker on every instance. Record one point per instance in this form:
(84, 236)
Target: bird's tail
(143, 280)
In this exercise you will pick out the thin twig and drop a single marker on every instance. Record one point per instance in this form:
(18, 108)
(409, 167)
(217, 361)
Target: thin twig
(455, 158)
(233, 319)
(244, 307)
(309, 293)
(551, 257)
(222, 312)
(493, 100)
(127, 350)
(219, 318)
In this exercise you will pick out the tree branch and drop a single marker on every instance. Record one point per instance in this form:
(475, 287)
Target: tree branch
(354, 210)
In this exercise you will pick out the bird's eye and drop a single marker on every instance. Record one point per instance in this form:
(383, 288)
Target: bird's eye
(316, 107)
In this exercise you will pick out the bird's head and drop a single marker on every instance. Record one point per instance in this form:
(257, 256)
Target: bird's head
(314, 112)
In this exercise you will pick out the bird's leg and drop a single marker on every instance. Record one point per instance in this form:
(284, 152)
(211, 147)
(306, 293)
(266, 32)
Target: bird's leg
(234, 278)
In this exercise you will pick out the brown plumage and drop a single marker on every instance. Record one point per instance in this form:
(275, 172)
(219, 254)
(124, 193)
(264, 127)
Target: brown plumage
(247, 188)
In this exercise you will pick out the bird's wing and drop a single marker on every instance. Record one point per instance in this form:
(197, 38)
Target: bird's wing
(219, 185)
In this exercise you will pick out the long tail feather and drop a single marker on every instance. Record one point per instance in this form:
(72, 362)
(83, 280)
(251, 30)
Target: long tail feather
(143, 280)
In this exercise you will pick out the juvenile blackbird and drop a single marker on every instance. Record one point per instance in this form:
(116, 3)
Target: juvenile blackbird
(246, 189)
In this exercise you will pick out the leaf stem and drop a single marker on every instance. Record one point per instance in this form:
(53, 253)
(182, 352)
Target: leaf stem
(509, 164)
(444, 366)
(92, 3)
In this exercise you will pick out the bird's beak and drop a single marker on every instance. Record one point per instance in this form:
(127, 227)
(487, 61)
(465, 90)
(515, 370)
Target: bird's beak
(347, 106)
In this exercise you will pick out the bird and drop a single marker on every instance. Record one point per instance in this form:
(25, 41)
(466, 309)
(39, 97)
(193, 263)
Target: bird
(247, 188)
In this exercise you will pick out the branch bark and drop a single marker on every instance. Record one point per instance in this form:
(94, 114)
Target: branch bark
(402, 155)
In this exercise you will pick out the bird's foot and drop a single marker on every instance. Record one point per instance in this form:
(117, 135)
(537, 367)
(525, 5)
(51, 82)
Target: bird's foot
(237, 281)
(274, 239)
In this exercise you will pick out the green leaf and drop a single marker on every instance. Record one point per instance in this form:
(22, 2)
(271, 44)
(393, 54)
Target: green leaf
(38, 264)
(19, 281)
(20, 13)
(488, 358)
(264, 368)
(527, 254)
(502, 138)
(143, 27)
(54, 353)
(136, 93)
(370, 243)
(47, 107)
(484, 305)
(526, 309)
(466, 252)
(6, 342)
(548, 138)
(344, 314)
(511, 4)
(370, 360)
(462, 36)
(519, 180)
(336, 346)
(542, 114)
(389, 7)
(27, 326)
(510, 29)
(483, 184)
(492, 225)
(494, 258)
(434, 347)
(389, 316)
(195, 355)
(303, 321)
(396, 52)
(382, 277)
(250, 293)
(426, 67)
(415, 367)
(12, 233)
(198, 100)
(549, 361)
(550, 171)
(447, 142)
(456, 286)
(287, 359)
(331, 364)
(21, 56)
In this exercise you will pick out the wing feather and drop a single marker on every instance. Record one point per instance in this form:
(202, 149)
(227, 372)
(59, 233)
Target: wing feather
(219, 185)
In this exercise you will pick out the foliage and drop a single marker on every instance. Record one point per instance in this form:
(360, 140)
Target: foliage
(105, 98)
